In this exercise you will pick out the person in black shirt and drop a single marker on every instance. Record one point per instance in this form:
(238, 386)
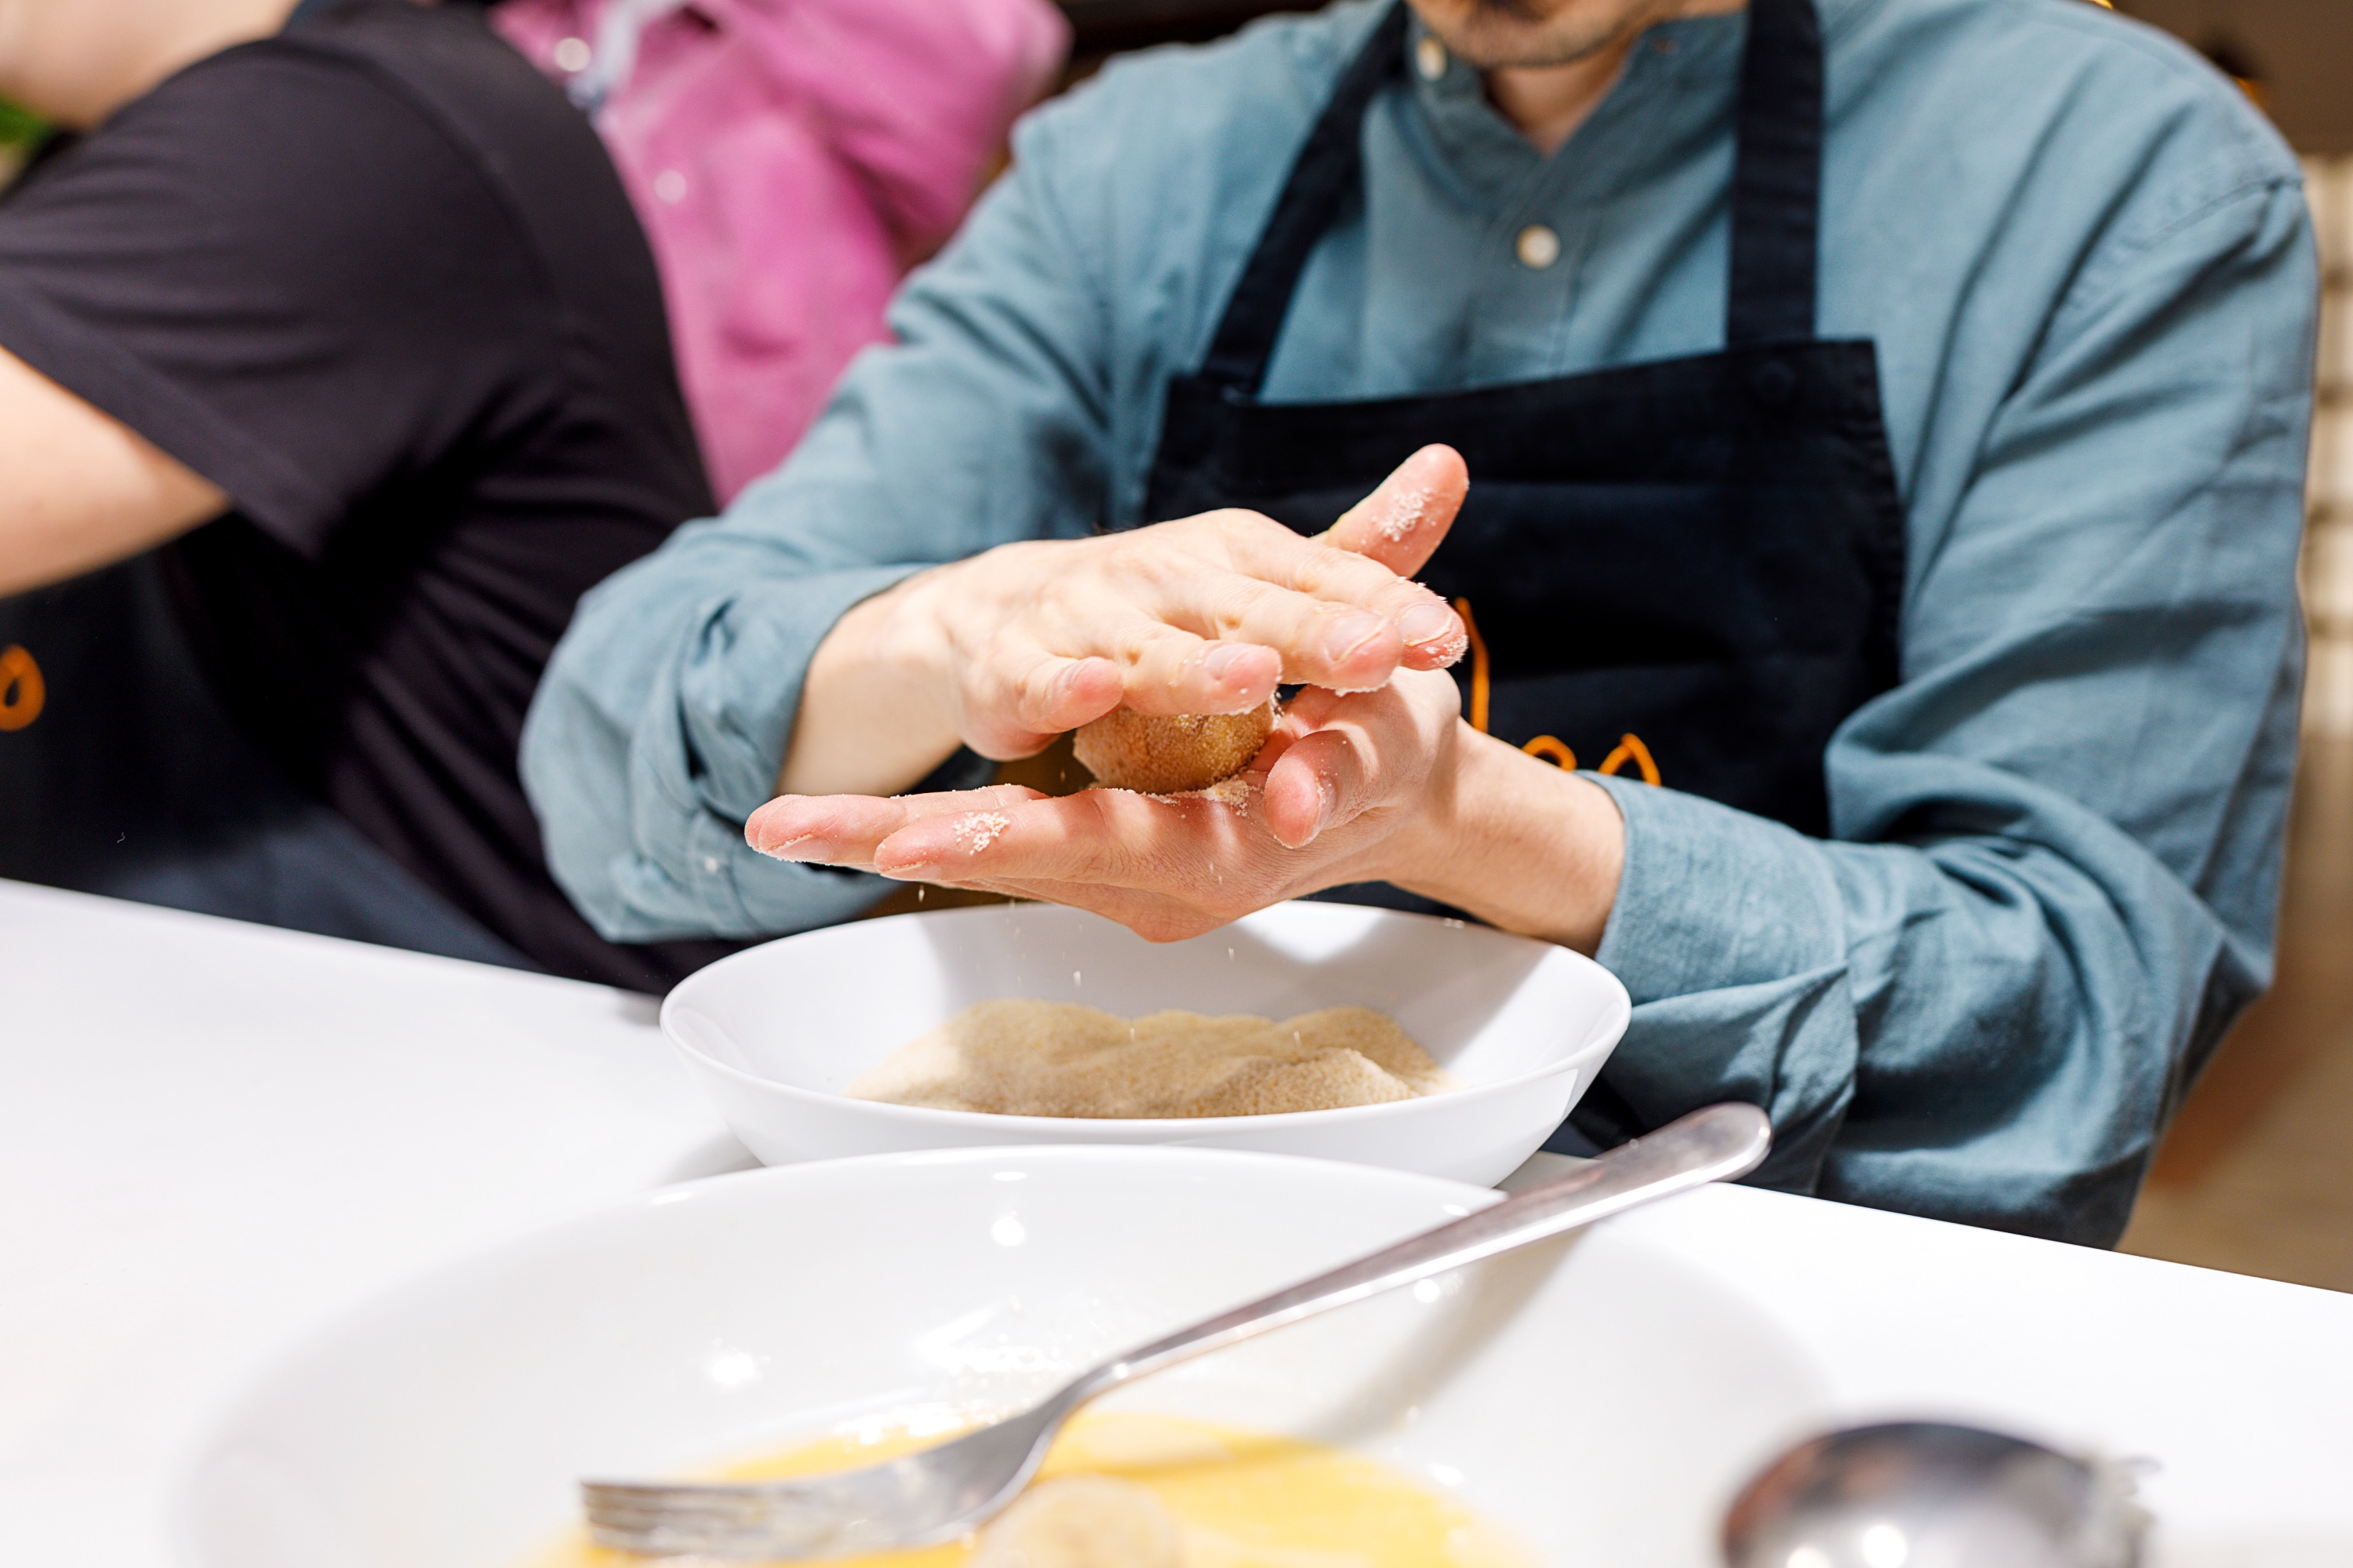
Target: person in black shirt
(333, 372)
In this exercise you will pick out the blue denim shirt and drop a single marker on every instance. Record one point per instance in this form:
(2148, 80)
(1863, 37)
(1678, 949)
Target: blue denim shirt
(2088, 267)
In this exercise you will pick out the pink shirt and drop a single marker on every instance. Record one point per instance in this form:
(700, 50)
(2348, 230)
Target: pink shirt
(790, 159)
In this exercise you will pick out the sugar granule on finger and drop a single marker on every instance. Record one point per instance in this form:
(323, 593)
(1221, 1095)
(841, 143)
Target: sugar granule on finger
(1234, 794)
(1403, 515)
(981, 828)
(1449, 648)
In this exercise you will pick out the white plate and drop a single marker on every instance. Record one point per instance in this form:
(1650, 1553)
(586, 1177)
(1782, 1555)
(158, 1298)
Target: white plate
(775, 1034)
(1593, 1394)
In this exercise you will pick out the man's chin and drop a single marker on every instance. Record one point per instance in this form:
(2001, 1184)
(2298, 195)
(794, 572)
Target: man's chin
(1492, 35)
(1486, 36)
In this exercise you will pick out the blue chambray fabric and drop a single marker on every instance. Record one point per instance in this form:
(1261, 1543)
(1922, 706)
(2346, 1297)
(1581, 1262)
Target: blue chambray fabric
(2088, 267)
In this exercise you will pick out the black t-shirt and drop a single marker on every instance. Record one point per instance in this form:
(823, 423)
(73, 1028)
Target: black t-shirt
(378, 281)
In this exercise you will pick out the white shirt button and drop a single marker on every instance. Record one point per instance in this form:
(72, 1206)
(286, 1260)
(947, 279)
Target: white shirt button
(1429, 58)
(1537, 247)
(671, 185)
(572, 55)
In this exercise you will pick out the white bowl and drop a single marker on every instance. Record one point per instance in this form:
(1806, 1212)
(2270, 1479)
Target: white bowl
(775, 1034)
(1596, 1396)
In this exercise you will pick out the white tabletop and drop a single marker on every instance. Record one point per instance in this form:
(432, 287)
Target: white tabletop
(213, 1136)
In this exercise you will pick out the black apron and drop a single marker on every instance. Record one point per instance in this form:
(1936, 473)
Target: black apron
(120, 774)
(1687, 571)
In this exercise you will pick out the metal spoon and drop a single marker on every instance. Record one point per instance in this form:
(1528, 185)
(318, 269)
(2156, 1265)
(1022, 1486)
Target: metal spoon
(1921, 1494)
(941, 1493)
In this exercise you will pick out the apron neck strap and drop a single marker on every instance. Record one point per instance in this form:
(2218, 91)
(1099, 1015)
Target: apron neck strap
(1775, 192)
(1327, 169)
(1777, 178)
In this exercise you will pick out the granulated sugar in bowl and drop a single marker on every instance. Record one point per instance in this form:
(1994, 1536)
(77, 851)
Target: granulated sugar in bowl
(1064, 1058)
(775, 1036)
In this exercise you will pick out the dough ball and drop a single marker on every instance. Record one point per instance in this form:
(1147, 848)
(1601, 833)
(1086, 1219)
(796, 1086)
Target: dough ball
(1174, 753)
(1083, 1522)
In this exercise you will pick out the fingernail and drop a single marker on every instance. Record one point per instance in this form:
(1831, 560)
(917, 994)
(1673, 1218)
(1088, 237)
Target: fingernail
(905, 862)
(1224, 658)
(1346, 636)
(1425, 622)
(809, 846)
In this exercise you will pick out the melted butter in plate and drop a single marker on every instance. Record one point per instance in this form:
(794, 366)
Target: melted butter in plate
(1236, 1498)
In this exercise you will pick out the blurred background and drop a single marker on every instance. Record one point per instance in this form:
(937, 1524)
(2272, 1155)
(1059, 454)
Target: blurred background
(18, 130)
(2257, 1175)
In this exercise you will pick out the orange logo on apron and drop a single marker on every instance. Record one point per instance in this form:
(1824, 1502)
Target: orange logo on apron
(23, 693)
(1551, 747)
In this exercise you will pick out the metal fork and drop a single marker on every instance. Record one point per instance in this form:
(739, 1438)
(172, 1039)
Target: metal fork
(939, 1494)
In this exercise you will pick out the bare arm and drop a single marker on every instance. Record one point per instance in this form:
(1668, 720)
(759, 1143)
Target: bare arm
(79, 489)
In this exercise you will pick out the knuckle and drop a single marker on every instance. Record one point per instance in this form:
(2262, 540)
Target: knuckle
(1359, 575)
(1137, 644)
(1239, 602)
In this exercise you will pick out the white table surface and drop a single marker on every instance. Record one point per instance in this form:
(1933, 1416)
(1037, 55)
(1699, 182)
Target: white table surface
(214, 1136)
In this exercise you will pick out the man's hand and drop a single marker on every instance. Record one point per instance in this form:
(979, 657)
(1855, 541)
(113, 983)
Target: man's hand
(1342, 776)
(1007, 650)
(1386, 785)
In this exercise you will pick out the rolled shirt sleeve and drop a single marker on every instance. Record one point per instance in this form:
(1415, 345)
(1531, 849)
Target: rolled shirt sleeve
(2054, 856)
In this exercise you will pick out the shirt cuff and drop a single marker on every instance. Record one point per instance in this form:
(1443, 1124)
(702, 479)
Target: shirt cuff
(1711, 897)
(1729, 935)
(739, 685)
(739, 691)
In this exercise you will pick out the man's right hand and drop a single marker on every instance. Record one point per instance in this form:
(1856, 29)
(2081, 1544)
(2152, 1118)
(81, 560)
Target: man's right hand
(1006, 649)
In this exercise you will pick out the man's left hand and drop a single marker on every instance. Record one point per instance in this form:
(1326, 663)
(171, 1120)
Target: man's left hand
(1347, 789)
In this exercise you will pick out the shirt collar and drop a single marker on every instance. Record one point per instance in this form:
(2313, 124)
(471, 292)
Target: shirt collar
(1679, 72)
